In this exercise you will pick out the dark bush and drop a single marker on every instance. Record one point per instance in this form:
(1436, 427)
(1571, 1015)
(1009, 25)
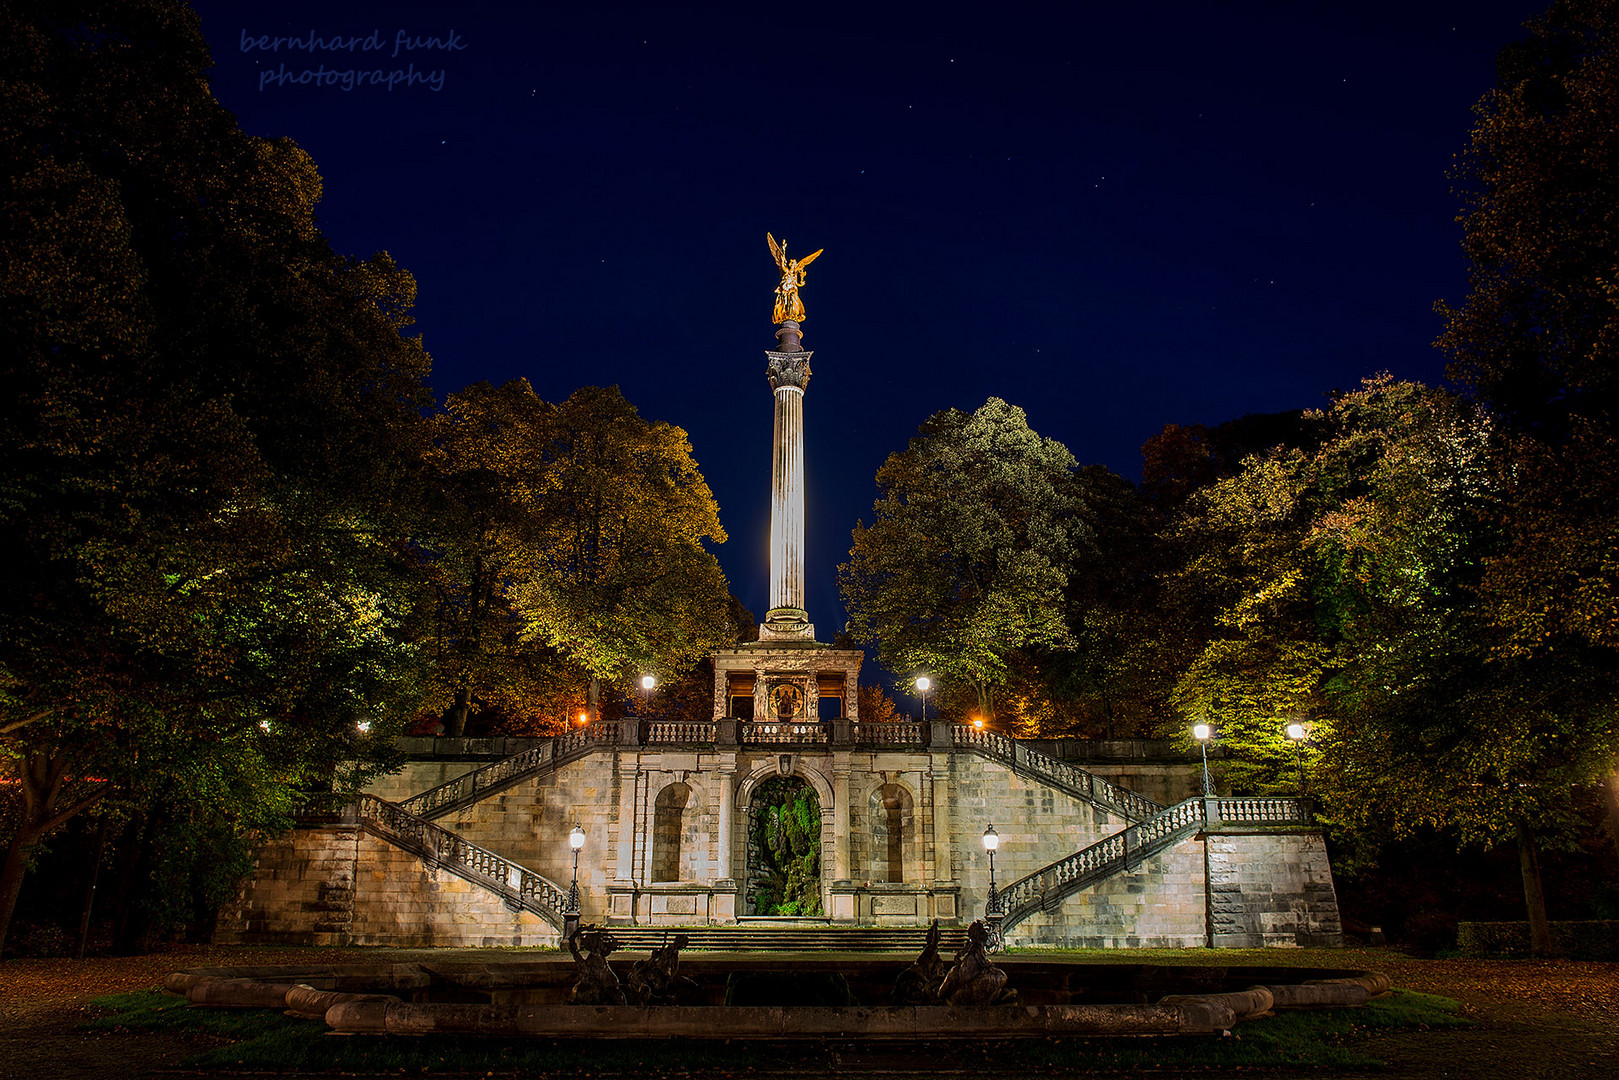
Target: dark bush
(1589, 939)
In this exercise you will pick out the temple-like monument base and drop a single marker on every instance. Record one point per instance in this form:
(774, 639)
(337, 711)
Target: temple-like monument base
(787, 679)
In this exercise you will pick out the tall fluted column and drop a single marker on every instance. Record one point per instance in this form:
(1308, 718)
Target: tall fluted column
(787, 502)
(789, 373)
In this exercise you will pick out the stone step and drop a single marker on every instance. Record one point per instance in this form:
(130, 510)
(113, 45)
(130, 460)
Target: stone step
(897, 939)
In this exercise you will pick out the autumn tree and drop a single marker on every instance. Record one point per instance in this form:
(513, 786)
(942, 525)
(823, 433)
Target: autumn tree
(487, 472)
(967, 556)
(208, 444)
(623, 582)
(1538, 336)
(1349, 587)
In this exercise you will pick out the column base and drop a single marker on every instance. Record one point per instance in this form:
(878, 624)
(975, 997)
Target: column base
(787, 623)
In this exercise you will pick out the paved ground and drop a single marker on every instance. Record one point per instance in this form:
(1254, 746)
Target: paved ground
(1537, 1019)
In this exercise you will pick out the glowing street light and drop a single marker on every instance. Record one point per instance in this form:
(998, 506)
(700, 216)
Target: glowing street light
(570, 913)
(1203, 733)
(924, 684)
(992, 841)
(1296, 732)
(584, 718)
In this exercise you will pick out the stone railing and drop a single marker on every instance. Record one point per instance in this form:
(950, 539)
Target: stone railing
(1059, 774)
(517, 884)
(469, 787)
(1262, 810)
(678, 731)
(783, 732)
(889, 732)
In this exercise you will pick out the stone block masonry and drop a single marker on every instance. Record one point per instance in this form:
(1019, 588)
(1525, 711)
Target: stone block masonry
(1270, 889)
(339, 885)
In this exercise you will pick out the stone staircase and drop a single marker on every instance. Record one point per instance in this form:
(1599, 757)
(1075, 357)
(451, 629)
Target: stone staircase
(479, 784)
(1155, 828)
(520, 887)
(1047, 887)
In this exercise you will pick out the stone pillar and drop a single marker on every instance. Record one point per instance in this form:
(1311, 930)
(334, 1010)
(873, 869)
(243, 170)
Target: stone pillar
(789, 374)
(722, 692)
(943, 842)
(727, 778)
(840, 828)
(851, 693)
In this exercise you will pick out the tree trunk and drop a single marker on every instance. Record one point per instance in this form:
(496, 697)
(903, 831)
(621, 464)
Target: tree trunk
(1610, 796)
(1534, 897)
(593, 699)
(456, 723)
(128, 921)
(11, 876)
(85, 911)
(986, 702)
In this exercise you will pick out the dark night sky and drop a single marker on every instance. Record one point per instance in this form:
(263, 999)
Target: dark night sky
(1116, 216)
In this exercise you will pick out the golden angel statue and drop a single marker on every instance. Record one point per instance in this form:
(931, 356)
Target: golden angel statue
(788, 305)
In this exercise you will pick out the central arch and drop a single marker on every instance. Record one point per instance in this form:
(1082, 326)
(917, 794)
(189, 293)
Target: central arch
(784, 848)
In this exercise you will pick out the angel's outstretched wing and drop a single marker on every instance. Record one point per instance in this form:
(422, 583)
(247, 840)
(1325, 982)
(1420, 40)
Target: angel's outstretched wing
(775, 249)
(806, 260)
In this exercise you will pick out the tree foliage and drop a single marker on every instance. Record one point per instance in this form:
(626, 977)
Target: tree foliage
(208, 440)
(1352, 595)
(1538, 336)
(623, 582)
(967, 556)
(484, 537)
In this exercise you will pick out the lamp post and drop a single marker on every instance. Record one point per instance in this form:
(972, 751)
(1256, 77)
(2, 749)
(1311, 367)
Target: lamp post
(1296, 732)
(992, 907)
(570, 915)
(924, 684)
(1203, 733)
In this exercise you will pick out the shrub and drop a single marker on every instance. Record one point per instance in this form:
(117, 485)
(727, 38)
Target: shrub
(1590, 939)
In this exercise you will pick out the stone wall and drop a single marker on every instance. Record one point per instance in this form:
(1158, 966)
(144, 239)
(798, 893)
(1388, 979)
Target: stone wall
(1036, 825)
(339, 885)
(1272, 889)
(301, 891)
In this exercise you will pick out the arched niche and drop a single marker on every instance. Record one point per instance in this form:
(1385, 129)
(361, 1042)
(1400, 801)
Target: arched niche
(891, 817)
(669, 823)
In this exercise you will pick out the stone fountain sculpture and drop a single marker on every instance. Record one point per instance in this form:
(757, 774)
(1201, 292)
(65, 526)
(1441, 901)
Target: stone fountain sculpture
(919, 984)
(596, 983)
(974, 979)
(657, 979)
